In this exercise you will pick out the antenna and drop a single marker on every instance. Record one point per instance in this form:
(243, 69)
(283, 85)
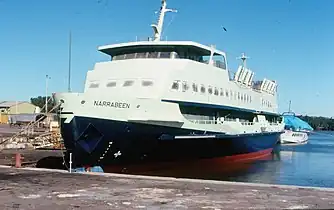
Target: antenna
(69, 61)
(243, 58)
(157, 29)
(290, 106)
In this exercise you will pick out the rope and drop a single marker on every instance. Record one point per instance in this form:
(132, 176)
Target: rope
(170, 22)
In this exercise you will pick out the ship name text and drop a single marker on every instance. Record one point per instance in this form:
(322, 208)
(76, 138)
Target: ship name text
(120, 105)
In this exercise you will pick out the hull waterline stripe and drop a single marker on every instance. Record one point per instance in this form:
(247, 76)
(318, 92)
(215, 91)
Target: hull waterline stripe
(194, 137)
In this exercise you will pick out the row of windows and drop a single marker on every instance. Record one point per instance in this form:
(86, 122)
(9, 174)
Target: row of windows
(127, 83)
(266, 103)
(297, 134)
(184, 86)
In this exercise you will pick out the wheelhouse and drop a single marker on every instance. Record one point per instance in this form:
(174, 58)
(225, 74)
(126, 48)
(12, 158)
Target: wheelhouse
(166, 50)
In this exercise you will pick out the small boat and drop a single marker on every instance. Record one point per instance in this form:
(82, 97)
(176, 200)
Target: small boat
(295, 131)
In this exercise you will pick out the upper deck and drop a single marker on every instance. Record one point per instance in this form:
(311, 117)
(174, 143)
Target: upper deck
(166, 50)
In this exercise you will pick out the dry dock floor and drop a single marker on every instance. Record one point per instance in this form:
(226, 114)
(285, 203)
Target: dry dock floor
(32, 188)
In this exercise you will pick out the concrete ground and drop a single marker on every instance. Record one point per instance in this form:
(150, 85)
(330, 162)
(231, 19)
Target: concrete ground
(31, 188)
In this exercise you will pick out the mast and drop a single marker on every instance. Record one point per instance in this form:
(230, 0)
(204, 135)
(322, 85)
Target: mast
(243, 59)
(290, 106)
(157, 29)
(69, 62)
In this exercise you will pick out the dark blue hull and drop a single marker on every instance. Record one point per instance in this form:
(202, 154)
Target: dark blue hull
(94, 141)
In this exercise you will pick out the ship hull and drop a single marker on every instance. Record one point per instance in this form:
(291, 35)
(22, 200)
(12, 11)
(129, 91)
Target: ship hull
(95, 141)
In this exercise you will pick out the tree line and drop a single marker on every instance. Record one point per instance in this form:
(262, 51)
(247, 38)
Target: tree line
(40, 102)
(319, 123)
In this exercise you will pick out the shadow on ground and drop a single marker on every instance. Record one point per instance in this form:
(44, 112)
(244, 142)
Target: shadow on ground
(51, 162)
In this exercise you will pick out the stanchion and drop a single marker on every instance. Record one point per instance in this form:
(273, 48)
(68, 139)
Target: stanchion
(70, 162)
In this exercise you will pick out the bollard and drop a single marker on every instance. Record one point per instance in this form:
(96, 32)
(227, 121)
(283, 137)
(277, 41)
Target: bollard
(18, 160)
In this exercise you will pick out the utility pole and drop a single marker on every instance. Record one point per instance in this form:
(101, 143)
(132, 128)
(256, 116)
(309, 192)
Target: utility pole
(69, 62)
(46, 93)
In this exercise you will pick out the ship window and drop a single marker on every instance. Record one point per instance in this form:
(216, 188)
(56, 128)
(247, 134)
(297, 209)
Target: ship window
(210, 90)
(147, 83)
(128, 83)
(202, 89)
(221, 92)
(175, 85)
(130, 56)
(235, 95)
(216, 91)
(250, 99)
(185, 86)
(118, 57)
(238, 96)
(165, 55)
(226, 93)
(94, 85)
(153, 54)
(195, 88)
(111, 84)
(141, 55)
(242, 97)
(219, 61)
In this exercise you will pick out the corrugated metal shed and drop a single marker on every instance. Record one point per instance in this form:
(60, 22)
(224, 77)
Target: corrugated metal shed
(7, 104)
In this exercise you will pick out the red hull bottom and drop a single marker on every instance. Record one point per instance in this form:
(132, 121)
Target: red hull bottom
(220, 164)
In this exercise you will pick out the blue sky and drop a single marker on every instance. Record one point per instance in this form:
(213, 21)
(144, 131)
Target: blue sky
(288, 41)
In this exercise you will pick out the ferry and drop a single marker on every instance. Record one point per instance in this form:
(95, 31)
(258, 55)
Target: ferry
(162, 101)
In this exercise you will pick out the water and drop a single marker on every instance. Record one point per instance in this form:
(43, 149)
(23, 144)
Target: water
(304, 165)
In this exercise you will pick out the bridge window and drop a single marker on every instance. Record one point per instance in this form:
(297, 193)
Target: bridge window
(164, 55)
(219, 61)
(152, 55)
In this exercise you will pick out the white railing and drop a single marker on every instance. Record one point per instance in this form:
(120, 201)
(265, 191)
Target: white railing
(247, 123)
(204, 121)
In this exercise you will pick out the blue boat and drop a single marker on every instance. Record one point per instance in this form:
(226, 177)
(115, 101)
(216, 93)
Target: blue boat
(296, 129)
